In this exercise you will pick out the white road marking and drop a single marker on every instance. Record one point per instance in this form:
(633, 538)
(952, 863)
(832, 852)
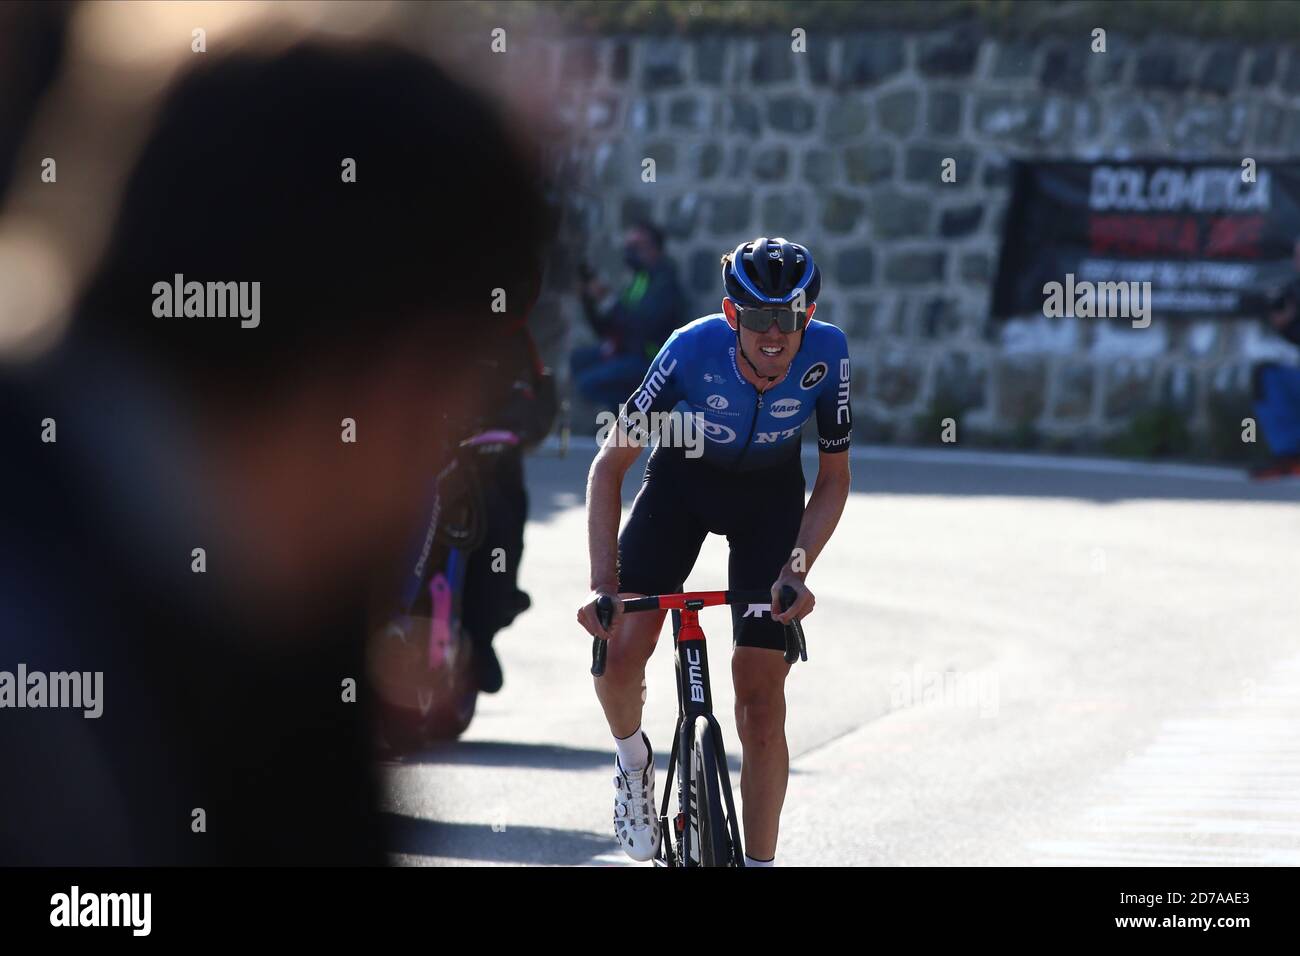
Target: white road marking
(1228, 784)
(614, 858)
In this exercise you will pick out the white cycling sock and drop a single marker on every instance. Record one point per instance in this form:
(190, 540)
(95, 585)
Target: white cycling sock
(633, 754)
(750, 861)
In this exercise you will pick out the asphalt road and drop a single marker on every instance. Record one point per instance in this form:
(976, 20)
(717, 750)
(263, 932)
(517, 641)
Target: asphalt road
(1011, 662)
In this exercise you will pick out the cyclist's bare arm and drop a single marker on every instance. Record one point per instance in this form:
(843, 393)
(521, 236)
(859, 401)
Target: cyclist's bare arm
(822, 514)
(604, 508)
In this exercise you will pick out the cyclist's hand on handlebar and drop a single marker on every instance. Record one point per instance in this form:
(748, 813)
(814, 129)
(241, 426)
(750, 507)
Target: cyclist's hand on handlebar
(804, 600)
(591, 622)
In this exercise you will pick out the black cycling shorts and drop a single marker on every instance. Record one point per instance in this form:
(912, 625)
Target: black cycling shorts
(683, 499)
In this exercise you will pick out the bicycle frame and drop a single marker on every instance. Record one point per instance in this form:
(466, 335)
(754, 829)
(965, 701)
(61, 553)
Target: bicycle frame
(695, 704)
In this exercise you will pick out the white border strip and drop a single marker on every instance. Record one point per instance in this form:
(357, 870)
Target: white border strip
(996, 459)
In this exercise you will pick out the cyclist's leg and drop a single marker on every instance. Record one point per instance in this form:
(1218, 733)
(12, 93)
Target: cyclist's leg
(621, 690)
(758, 674)
(657, 549)
(759, 549)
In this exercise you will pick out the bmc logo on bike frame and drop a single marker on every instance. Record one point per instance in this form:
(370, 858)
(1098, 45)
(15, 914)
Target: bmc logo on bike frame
(695, 674)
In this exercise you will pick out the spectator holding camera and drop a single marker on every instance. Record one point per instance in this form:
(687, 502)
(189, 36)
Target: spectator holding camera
(632, 325)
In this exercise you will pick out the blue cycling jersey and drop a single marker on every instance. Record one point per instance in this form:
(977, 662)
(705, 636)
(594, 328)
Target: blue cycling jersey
(696, 372)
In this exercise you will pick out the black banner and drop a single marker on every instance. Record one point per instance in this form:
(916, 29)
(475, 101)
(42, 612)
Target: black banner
(1209, 241)
(335, 909)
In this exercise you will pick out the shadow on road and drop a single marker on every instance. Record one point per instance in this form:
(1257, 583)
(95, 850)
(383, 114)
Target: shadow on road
(495, 753)
(496, 843)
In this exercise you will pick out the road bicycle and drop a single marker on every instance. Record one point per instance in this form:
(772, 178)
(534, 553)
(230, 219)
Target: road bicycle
(706, 830)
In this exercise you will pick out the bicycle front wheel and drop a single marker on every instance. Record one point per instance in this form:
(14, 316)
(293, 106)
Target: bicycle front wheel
(712, 840)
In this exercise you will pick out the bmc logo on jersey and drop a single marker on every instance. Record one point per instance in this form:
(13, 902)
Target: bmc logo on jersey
(654, 383)
(842, 408)
(813, 376)
(717, 401)
(785, 407)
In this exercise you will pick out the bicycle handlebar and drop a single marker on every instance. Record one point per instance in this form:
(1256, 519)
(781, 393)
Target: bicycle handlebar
(796, 647)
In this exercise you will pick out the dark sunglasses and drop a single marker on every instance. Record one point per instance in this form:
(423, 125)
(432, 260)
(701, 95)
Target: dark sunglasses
(760, 320)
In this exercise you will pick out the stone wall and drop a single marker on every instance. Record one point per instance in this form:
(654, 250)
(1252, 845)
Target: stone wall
(840, 147)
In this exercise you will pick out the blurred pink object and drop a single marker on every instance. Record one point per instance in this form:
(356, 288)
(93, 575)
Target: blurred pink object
(491, 438)
(440, 626)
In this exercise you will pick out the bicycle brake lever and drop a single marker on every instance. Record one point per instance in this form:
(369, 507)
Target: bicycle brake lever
(600, 648)
(796, 648)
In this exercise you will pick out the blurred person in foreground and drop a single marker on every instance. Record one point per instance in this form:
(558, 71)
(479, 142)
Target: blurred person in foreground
(1277, 387)
(32, 39)
(226, 731)
(631, 326)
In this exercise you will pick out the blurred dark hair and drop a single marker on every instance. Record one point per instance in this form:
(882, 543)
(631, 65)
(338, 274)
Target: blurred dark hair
(241, 181)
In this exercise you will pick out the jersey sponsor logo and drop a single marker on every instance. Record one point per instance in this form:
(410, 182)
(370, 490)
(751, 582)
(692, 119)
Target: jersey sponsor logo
(718, 402)
(713, 411)
(785, 407)
(842, 408)
(829, 443)
(711, 377)
(768, 438)
(719, 433)
(654, 384)
(756, 610)
(813, 376)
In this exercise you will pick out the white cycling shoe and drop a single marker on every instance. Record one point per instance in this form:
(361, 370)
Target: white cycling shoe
(635, 824)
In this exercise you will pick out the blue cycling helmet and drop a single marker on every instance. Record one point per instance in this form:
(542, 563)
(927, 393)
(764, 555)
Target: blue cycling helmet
(770, 273)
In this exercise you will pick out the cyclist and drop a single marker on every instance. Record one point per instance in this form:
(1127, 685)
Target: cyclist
(751, 376)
